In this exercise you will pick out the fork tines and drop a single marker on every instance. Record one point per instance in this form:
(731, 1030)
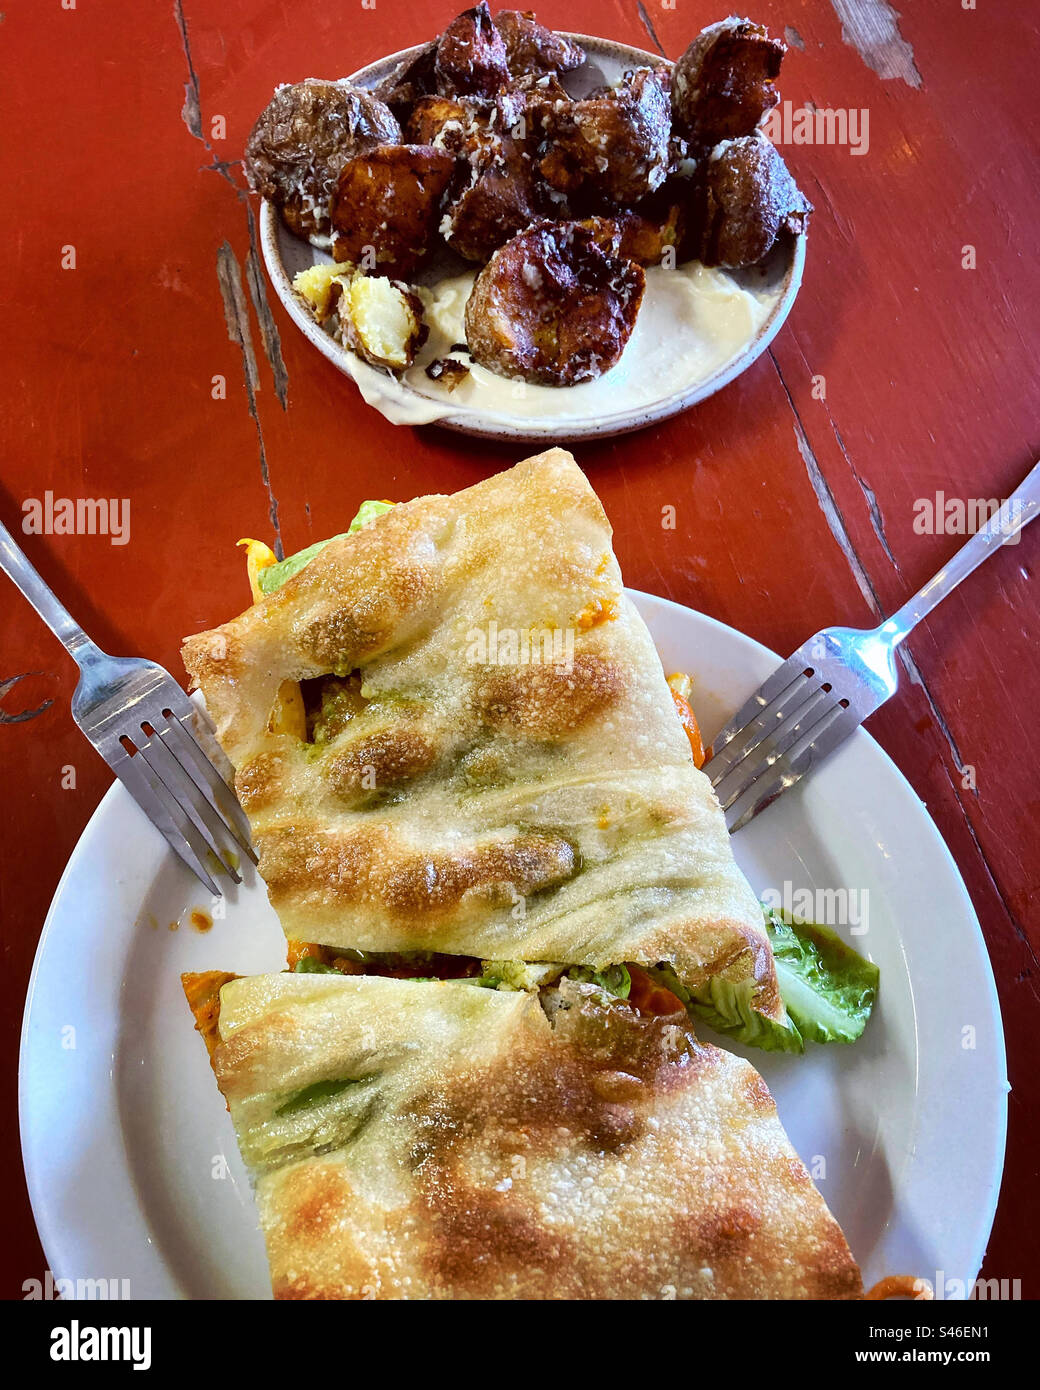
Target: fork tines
(791, 722)
(161, 747)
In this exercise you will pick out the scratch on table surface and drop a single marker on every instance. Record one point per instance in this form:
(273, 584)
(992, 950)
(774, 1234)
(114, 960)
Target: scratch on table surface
(914, 672)
(871, 27)
(269, 334)
(268, 328)
(793, 37)
(191, 111)
(839, 531)
(23, 716)
(648, 25)
(828, 506)
(1012, 916)
(877, 520)
(236, 315)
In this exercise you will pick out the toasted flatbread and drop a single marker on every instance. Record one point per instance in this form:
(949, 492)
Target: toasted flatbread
(514, 782)
(442, 1140)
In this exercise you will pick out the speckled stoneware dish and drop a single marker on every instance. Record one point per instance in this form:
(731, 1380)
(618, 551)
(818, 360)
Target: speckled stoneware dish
(652, 381)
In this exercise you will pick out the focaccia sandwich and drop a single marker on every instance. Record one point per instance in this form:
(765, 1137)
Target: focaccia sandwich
(451, 733)
(442, 1140)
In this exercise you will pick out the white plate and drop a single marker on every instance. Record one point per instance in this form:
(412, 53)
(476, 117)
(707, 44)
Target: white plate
(285, 255)
(123, 1130)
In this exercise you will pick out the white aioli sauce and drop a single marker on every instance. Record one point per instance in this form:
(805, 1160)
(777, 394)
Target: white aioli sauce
(692, 322)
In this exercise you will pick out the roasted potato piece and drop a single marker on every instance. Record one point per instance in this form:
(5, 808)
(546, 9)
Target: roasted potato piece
(496, 192)
(413, 78)
(532, 50)
(321, 285)
(382, 321)
(553, 307)
(471, 56)
(502, 202)
(386, 207)
(646, 233)
(440, 121)
(722, 85)
(742, 197)
(501, 197)
(301, 141)
(456, 124)
(615, 145)
(449, 371)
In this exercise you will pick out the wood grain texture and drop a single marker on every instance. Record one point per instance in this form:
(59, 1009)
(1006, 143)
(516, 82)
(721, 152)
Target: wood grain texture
(792, 511)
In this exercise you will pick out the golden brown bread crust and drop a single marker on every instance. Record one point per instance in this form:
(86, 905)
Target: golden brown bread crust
(478, 806)
(480, 1153)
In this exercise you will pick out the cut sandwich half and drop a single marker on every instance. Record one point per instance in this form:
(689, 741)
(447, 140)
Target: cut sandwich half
(451, 733)
(441, 1140)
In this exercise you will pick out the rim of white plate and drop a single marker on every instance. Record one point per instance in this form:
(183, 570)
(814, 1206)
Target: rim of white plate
(982, 1176)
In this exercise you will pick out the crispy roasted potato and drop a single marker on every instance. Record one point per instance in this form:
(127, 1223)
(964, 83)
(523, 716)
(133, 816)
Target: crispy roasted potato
(532, 50)
(449, 371)
(413, 78)
(301, 141)
(645, 234)
(321, 285)
(431, 116)
(495, 193)
(502, 192)
(614, 145)
(471, 56)
(722, 85)
(382, 321)
(459, 125)
(387, 205)
(553, 307)
(742, 197)
(502, 200)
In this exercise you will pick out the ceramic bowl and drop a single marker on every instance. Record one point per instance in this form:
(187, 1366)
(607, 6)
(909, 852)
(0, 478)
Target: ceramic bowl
(561, 416)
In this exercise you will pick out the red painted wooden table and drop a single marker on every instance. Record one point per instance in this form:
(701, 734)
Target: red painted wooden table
(132, 280)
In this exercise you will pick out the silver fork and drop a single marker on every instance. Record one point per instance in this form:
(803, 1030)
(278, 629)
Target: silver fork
(158, 743)
(811, 703)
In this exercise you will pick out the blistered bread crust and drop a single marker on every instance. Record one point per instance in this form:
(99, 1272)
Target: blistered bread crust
(481, 1153)
(506, 811)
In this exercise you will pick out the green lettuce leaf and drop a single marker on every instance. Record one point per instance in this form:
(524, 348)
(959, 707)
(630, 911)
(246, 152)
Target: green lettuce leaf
(516, 974)
(308, 965)
(368, 511)
(728, 1007)
(614, 980)
(828, 988)
(276, 575)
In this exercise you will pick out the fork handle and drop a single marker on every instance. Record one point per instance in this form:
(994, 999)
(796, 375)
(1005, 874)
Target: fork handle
(1014, 514)
(50, 608)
